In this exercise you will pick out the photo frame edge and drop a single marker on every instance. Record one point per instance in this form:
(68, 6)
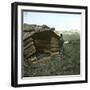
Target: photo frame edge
(14, 46)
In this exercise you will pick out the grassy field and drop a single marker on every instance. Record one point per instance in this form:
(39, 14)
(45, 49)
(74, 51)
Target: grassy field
(55, 65)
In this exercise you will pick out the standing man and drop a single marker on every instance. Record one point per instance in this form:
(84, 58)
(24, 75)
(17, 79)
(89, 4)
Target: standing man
(61, 44)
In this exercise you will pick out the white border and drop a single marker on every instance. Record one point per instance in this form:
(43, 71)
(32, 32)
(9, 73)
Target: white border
(46, 79)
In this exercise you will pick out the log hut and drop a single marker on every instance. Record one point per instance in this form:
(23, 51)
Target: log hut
(40, 42)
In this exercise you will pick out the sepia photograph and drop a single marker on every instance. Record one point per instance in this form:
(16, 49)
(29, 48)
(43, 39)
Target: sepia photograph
(51, 43)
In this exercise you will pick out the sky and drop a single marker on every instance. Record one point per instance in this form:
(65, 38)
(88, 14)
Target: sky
(60, 21)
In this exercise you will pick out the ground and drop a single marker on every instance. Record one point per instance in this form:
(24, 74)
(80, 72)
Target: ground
(55, 65)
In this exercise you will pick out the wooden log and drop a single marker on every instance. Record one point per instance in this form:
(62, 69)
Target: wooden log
(28, 45)
(54, 49)
(25, 42)
(26, 35)
(30, 51)
(55, 46)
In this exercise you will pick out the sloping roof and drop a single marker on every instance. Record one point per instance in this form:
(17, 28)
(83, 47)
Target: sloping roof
(38, 31)
(45, 35)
